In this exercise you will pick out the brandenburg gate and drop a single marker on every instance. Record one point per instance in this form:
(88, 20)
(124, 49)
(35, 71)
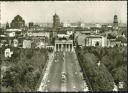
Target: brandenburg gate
(63, 45)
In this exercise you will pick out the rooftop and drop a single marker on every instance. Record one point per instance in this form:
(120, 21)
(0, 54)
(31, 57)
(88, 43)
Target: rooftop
(94, 36)
(13, 30)
(63, 41)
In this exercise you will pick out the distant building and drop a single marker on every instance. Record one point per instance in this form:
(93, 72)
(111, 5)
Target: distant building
(45, 25)
(69, 32)
(115, 22)
(31, 24)
(86, 32)
(98, 25)
(95, 30)
(66, 24)
(121, 85)
(13, 32)
(74, 25)
(56, 21)
(7, 25)
(96, 40)
(27, 43)
(17, 22)
(63, 45)
(62, 36)
(40, 42)
(38, 34)
(3, 41)
(40, 45)
(8, 52)
(82, 25)
(50, 47)
(56, 25)
(81, 40)
(15, 43)
(2, 31)
(104, 26)
(35, 27)
(113, 42)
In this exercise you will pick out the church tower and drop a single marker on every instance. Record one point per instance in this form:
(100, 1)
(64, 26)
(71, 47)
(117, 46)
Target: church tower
(56, 21)
(115, 22)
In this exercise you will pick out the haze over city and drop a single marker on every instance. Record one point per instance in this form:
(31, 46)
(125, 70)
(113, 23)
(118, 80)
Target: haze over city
(63, 46)
(68, 11)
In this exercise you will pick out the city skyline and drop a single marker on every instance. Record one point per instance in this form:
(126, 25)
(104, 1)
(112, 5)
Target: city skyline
(68, 11)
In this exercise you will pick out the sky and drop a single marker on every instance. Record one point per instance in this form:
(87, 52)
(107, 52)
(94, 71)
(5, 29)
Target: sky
(68, 11)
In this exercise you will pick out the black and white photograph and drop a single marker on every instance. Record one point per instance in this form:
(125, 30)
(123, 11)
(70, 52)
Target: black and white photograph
(63, 46)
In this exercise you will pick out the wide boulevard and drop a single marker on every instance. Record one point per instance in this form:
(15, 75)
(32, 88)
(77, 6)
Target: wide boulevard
(64, 62)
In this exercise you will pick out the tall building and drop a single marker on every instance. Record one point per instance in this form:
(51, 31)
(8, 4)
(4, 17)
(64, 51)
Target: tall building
(7, 25)
(17, 22)
(31, 24)
(115, 22)
(56, 24)
(56, 21)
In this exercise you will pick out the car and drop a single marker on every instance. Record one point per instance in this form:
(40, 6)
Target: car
(85, 89)
(63, 78)
(48, 81)
(74, 87)
(75, 72)
(46, 90)
(63, 73)
(55, 60)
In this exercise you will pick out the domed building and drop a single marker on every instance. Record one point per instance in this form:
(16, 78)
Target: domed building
(17, 22)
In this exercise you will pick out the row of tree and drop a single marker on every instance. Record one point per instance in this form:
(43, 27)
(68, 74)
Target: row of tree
(25, 70)
(112, 66)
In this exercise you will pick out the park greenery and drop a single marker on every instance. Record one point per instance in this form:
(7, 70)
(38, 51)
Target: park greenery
(25, 67)
(24, 70)
(113, 66)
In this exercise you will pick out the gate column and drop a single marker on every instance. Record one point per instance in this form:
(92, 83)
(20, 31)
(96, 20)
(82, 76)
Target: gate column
(55, 47)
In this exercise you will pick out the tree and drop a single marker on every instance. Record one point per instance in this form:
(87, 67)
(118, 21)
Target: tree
(111, 36)
(99, 77)
(8, 79)
(23, 75)
(122, 39)
(120, 73)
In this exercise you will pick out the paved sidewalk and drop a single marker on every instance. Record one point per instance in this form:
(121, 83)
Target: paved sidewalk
(44, 80)
(85, 87)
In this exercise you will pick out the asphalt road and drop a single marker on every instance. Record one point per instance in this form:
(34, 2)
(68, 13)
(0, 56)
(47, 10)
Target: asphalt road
(74, 80)
(55, 73)
(64, 62)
